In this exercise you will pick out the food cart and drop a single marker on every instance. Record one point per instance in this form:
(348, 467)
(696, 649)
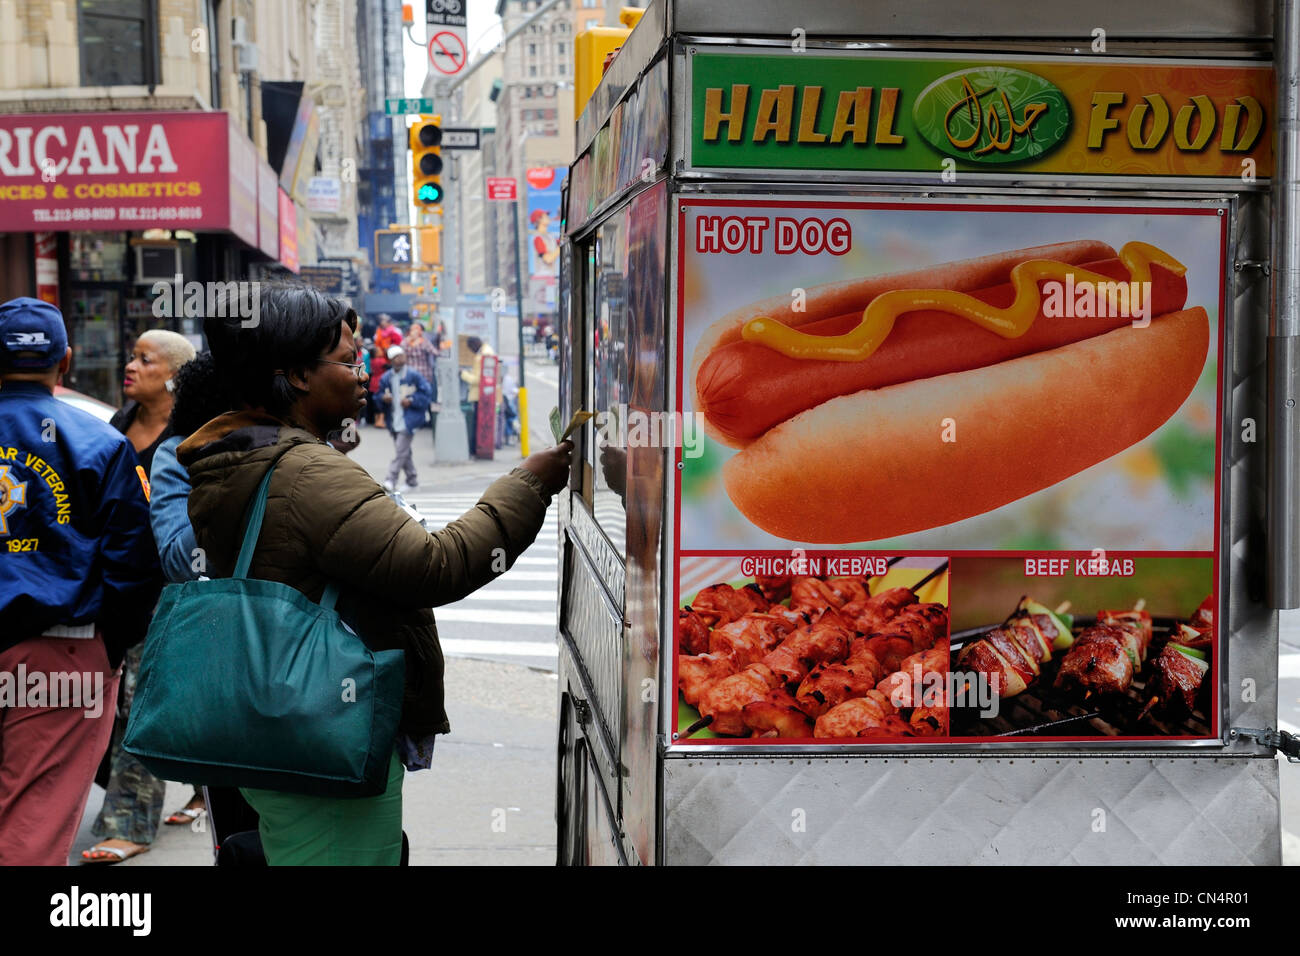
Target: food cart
(983, 564)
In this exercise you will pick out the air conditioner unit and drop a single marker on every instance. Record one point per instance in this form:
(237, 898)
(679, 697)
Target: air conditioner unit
(245, 58)
(157, 262)
(239, 30)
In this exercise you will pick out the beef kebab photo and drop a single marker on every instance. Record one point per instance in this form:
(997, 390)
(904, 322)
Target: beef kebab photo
(801, 656)
(1060, 676)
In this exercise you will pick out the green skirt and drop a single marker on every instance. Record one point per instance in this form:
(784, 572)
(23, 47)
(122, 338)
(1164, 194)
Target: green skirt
(300, 830)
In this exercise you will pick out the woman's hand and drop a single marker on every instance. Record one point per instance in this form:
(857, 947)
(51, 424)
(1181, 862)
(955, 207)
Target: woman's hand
(551, 465)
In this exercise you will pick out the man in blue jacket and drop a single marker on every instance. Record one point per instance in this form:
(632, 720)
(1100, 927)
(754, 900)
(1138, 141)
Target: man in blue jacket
(78, 582)
(406, 396)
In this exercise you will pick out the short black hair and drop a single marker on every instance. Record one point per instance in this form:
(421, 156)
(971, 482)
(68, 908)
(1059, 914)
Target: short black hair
(295, 326)
(475, 343)
(201, 394)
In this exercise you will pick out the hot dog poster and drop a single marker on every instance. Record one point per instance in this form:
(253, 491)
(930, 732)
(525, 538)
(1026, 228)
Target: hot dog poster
(955, 376)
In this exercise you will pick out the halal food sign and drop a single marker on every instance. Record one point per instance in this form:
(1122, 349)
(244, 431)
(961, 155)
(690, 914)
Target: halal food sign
(931, 116)
(114, 171)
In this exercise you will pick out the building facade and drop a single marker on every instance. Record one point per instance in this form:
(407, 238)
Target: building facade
(141, 140)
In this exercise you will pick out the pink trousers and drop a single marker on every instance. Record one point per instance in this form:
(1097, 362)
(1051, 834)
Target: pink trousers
(57, 701)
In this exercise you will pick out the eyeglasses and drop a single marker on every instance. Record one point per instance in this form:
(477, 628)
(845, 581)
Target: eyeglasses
(357, 368)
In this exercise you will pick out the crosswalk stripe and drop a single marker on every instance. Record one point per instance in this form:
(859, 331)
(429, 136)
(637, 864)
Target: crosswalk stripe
(511, 648)
(1288, 665)
(513, 575)
(489, 593)
(531, 560)
(493, 616)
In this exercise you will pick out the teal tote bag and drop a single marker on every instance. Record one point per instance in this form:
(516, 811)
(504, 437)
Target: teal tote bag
(247, 683)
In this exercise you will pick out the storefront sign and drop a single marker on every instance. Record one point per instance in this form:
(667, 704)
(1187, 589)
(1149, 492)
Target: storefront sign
(268, 211)
(110, 171)
(324, 194)
(300, 155)
(328, 279)
(949, 116)
(288, 232)
(243, 187)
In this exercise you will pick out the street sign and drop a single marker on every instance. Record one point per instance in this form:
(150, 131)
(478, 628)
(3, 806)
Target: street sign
(461, 138)
(503, 188)
(327, 279)
(448, 13)
(447, 52)
(402, 107)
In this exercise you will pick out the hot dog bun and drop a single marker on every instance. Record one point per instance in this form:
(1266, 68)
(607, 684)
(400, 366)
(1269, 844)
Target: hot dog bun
(837, 298)
(873, 464)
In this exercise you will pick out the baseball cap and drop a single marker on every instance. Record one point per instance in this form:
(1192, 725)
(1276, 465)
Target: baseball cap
(34, 327)
(395, 351)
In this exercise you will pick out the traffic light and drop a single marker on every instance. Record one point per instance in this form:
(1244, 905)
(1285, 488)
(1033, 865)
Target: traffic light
(431, 245)
(426, 161)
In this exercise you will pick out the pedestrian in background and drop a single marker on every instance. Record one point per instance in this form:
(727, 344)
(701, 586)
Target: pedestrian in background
(328, 522)
(78, 587)
(128, 820)
(406, 397)
(472, 378)
(378, 365)
(420, 353)
(200, 395)
(388, 334)
(423, 357)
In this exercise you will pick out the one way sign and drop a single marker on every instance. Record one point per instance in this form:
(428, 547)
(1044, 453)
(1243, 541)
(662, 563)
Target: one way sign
(460, 138)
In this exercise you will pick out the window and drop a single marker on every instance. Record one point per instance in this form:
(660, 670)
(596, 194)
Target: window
(532, 70)
(560, 48)
(532, 49)
(118, 42)
(563, 69)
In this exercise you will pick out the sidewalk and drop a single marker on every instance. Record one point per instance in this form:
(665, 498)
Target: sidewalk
(488, 799)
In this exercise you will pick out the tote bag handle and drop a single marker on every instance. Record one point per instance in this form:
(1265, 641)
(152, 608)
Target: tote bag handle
(257, 511)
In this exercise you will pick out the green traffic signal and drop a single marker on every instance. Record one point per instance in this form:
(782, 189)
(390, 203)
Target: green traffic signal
(430, 194)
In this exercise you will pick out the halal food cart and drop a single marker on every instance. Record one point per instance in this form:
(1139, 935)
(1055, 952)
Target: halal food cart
(941, 489)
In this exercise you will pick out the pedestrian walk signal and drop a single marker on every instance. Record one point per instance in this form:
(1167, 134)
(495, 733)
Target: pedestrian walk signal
(426, 161)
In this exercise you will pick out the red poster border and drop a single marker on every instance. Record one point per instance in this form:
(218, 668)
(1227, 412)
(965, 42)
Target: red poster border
(889, 745)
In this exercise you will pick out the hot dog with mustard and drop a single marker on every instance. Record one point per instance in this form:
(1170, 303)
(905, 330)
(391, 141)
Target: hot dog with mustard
(838, 409)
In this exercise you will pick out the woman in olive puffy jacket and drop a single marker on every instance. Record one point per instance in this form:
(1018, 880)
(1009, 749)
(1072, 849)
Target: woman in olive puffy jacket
(297, 374)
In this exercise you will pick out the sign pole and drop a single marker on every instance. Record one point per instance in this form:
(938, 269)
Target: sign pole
(519, 304)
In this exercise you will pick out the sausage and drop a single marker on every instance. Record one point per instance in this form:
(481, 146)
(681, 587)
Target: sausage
(744, 388)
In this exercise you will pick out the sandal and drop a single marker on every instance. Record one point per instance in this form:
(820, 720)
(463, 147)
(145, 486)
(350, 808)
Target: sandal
(103, 853)
(185, 815)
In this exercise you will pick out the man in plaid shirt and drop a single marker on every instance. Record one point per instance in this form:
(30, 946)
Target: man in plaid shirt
(422, 356)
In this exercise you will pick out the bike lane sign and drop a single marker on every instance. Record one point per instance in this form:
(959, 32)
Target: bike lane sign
(448, 50)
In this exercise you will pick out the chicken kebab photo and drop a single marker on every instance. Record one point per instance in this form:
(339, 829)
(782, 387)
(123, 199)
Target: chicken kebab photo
(823, 657)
